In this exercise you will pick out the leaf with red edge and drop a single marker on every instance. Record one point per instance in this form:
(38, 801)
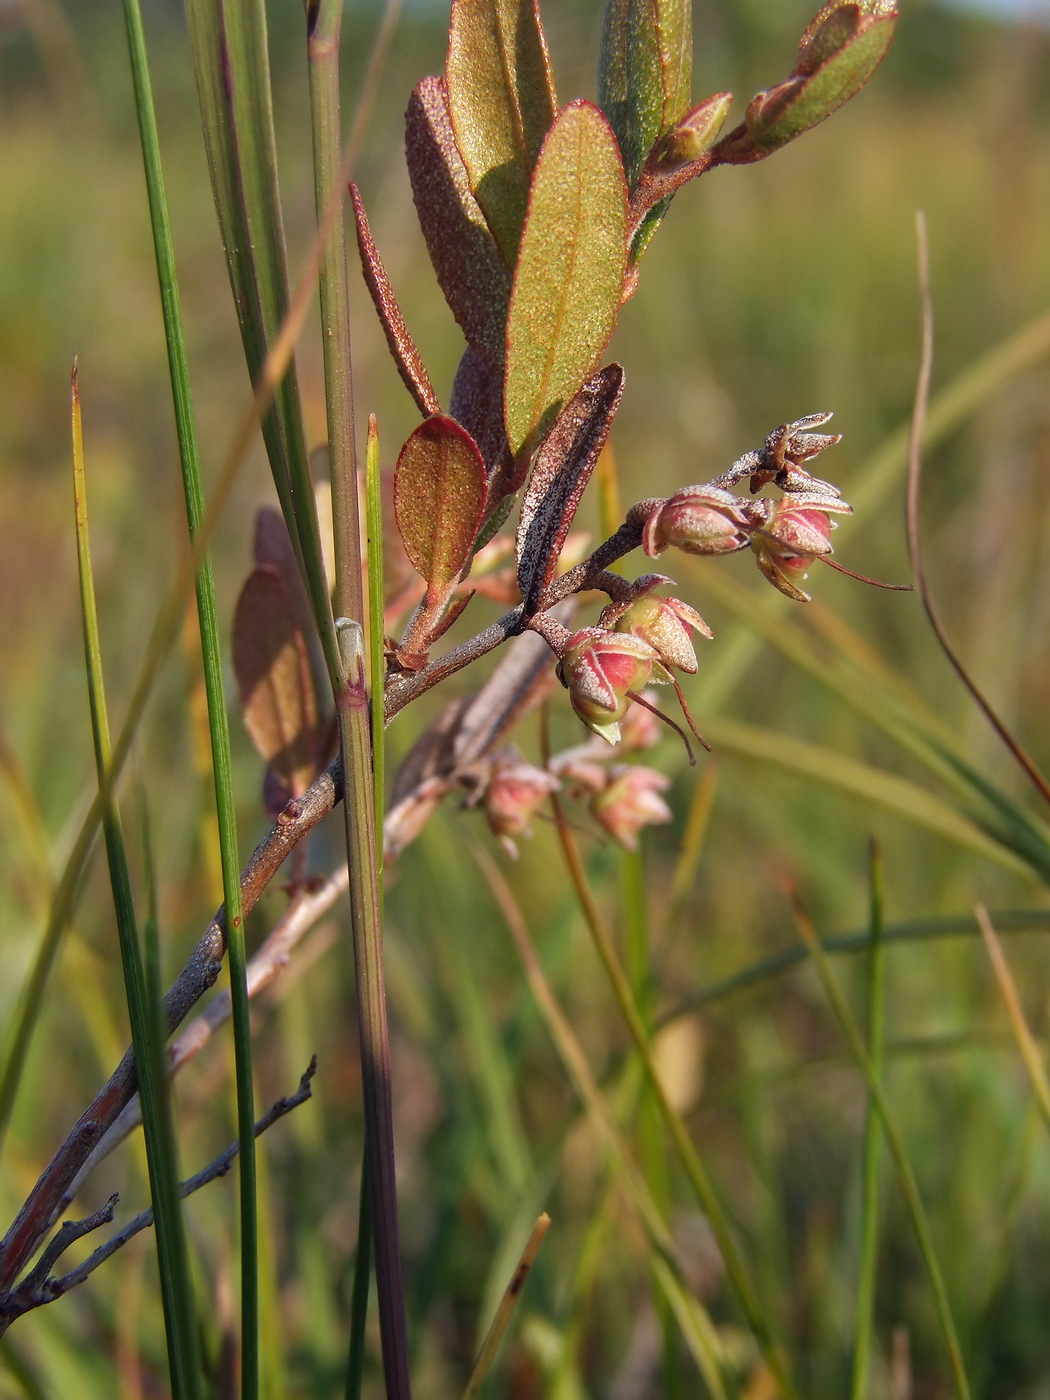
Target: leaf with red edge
(470, 271)
(501, 97)
(570, 274)
(278, 701)
(644, 73)
(561, 472)
(440, 492)
(403, 348)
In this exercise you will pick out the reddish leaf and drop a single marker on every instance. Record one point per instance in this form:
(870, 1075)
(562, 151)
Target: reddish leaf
(477, 403)
(278, 701)
(440, 492)
(563, 468)
(403, 348)
(470, 270)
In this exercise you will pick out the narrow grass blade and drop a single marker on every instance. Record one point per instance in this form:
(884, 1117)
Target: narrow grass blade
(176, 1288)
(698, 1330)
(860, 780)
(1026, 1042)
(909, 1186)
(869, 1235)
(508, 1302)
(211, 654)
(695, 1170)
(376, 638)
(696, 823)
(915, 930)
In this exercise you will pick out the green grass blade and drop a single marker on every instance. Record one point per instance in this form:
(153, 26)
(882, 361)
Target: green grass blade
(504, 1312)
(949, 926)
(698, 1331)
(736, 1268)
(233, 84)
(869, 1243)
(909, 1186)
(176, 1288)
(862, 781)
(211, 651)
(376, 631)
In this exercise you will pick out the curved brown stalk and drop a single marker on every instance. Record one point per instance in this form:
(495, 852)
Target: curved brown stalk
(918, 423)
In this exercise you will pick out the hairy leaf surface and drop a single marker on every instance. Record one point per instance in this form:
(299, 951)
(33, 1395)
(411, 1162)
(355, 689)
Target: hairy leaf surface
(470, 270)
(501, 97)
(563, 468)
(570, 273)
(439, 498)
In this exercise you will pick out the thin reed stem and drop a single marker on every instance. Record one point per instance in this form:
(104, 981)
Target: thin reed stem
(218, 724)
(176, 1288)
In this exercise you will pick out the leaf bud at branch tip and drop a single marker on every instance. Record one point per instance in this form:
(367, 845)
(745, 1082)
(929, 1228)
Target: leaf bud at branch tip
(697, 132)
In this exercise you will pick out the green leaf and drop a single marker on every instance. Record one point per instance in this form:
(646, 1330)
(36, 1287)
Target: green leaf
(439, 497)
(501, 96)
(862, 781)
(832, 68)
(644, 73)
(569, 281)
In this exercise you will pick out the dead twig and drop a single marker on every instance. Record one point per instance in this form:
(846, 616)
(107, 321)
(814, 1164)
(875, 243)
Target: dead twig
(39, 1288)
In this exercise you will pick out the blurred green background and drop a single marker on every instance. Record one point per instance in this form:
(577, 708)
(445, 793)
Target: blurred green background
(771, 291)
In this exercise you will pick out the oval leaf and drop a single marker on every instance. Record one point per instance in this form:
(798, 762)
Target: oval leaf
(470, 270)
(563, 468)
(439, 498)
(501, 97)
(644, 73)
(835, 64)
(569, 281)
(277, 697)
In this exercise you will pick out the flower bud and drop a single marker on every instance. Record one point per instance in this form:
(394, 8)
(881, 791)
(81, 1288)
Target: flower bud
(662, 622)
(515, 790)
(631, 801)
(598, 668)
(795, 531)
(697, 131)
(698, 519)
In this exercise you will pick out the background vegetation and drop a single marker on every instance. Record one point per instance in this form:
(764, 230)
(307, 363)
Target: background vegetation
(773, 291)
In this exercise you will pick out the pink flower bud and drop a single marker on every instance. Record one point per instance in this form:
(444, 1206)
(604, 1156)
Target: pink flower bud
(515, 790)
(632, 800)
(598, 668)
(662, 622)
(794, 532)
(698, 519)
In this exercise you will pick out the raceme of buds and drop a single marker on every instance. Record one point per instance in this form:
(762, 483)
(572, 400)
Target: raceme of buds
(598, 668)
(698, 519)
(515, 790)
(662, 622)
(631, 801)
(793, 532)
